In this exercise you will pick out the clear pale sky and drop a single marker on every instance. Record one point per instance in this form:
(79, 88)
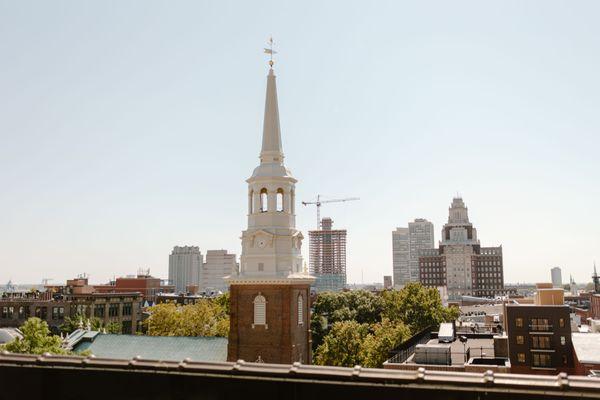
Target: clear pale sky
(128, 127)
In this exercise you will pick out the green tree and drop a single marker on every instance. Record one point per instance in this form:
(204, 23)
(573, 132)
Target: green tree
(331, 307)
(208, 317)
(36, 339)
(385, 336)
(416, 306)
(343, 345)
(79, 320)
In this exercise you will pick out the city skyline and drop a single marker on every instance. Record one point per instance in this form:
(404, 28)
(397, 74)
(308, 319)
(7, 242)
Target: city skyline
(133, 137)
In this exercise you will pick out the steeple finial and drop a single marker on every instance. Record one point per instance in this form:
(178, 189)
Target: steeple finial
(270, 51)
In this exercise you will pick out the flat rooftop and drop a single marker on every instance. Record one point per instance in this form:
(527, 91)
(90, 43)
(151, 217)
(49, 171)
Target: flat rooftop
(479, 348)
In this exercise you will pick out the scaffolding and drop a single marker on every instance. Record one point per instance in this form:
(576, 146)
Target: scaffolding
(327, 251)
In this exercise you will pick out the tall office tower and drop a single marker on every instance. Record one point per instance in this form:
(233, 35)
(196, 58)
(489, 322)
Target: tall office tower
(407, 245)
(185, 265)
(556, 277)
(327, 249)
(460, 263)
(218, 265)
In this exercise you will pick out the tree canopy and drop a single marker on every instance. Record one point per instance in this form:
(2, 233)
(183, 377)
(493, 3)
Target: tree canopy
(208, 317)
(360, 327)
(37, 339)
(96, 324)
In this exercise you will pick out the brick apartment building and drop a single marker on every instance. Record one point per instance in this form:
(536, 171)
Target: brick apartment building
(76, 297)
(539, 335)
(147, 285)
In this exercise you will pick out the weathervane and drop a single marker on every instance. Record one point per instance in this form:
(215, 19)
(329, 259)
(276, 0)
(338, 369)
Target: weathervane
(270, 51)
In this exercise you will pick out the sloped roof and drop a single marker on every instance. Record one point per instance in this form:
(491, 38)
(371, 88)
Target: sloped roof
(9, 334)
(163, 348)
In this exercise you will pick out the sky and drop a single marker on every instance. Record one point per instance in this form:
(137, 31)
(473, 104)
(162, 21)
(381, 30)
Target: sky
(129, 127)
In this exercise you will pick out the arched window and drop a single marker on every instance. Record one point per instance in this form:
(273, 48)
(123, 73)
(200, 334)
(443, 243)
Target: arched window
(251, 202)
(300, 310)
(263, 200)
(280, 200)
(260, 310)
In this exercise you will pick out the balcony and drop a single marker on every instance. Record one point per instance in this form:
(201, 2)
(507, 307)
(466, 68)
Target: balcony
(541, 328)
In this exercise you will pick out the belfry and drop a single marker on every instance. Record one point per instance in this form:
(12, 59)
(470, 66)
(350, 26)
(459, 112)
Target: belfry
(270, 296)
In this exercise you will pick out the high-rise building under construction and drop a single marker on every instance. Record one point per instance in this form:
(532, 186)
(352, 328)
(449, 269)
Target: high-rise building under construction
(327, 248)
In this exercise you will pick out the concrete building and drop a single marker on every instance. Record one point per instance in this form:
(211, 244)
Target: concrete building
(269, 296)
(387, 282)
(407, 244)
(327, 250)
(556, 277)
(460, 263)
(185, 265)
(218, 265)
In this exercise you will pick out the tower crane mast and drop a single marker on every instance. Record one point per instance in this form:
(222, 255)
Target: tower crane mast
(319, 202)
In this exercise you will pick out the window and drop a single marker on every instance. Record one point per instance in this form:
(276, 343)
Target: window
(540, 342)
(41, 313)
(542, 360)
(300, 310)
(261, 266)
(563, 340)
(263, 200)
(11, 311)
(260, 310)
(521, 357)
(127, 309)
(58, 313)
(126, 327)
(519, 322)
(564, 359)
(113, 310)
(280, 200)
(4, 312)
(23, 312)
(99, 310)
(561, 322)
(520, 339)
(251, 202)
(540, 324)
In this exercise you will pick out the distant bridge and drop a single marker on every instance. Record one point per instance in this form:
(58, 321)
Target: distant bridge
(72, 377)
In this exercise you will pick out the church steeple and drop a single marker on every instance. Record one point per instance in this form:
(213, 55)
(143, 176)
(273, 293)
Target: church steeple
(271, 151)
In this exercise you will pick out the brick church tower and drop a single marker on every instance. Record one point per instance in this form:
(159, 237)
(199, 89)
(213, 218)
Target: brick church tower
(270, 296)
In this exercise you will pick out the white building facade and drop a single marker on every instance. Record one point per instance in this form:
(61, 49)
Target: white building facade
(218, 265)
(185, 266)
(556, 274)
(407, 244)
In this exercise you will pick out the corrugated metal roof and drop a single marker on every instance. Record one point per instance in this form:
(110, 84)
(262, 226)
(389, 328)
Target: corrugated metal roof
(164, 348)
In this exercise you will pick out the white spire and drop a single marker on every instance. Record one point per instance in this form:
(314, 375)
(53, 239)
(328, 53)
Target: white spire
(271, 151)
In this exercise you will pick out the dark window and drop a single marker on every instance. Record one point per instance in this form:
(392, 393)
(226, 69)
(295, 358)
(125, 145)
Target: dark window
(4, 312)
(542, 360)
(41, 313)
(127, 309)
(126, 327)
(113, 310)
(23, 312)
(99, 310)
(58, 313)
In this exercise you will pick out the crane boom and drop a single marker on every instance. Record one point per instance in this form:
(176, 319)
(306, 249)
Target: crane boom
(319, 202)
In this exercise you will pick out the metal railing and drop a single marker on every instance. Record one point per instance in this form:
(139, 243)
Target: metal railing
(540, 327)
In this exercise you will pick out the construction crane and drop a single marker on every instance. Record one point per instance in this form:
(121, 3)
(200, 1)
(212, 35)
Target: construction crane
(319, 202)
